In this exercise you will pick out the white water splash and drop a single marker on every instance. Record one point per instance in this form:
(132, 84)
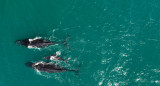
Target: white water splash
(109, 83)
(52, 34)
(156, 70)
(58, 53)
(31, 47)
(53, 58)
(101, 82)
(40, 62)
(30, 40)
(39, 73)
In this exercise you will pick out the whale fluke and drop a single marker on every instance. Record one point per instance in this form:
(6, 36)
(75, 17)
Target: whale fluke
(66, 42)
(77, 70)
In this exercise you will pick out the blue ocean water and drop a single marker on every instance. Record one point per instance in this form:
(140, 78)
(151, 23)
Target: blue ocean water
(117, 42)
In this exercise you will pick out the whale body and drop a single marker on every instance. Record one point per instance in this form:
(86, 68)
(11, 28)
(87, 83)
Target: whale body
(39, 42)
(48, 67)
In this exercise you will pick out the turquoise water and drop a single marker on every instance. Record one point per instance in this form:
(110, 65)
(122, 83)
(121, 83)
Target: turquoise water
(117, 42)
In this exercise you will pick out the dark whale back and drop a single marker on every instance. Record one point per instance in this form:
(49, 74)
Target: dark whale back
(38, 43)
(46, 67)
(50, 67)
(24, 42)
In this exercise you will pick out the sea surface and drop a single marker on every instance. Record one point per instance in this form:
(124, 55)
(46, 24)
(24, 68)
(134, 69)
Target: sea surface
(117, 42)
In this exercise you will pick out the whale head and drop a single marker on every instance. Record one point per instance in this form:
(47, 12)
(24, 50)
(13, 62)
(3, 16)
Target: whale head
(24, 42)
(29, 64)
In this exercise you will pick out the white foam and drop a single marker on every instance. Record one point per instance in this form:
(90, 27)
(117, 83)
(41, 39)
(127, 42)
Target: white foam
(31, 47)
(41, 62)
(157, 81)
(58, 53)
(156, 70)
(138, 79)
(101, 82)
(53, 58)
(123, 55)
(53, 30)
(39, 73)
(117, 69)
(104, 61)
(37, 38)
(116, 84)
(30, 40)
(109, 83)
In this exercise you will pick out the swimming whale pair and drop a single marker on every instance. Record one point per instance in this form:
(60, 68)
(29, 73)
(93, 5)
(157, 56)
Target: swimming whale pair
(49, 67)
(39, 42)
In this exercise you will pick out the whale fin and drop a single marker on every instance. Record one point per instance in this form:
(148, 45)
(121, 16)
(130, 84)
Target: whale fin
(66, 42)
(66, 61)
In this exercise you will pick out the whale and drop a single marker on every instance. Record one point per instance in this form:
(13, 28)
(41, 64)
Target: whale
(54, 57)
(49, 67)
(39, 42)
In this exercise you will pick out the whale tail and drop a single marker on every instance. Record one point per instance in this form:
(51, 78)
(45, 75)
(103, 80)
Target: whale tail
(66, 61)
(77, 70)
(66, 42)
